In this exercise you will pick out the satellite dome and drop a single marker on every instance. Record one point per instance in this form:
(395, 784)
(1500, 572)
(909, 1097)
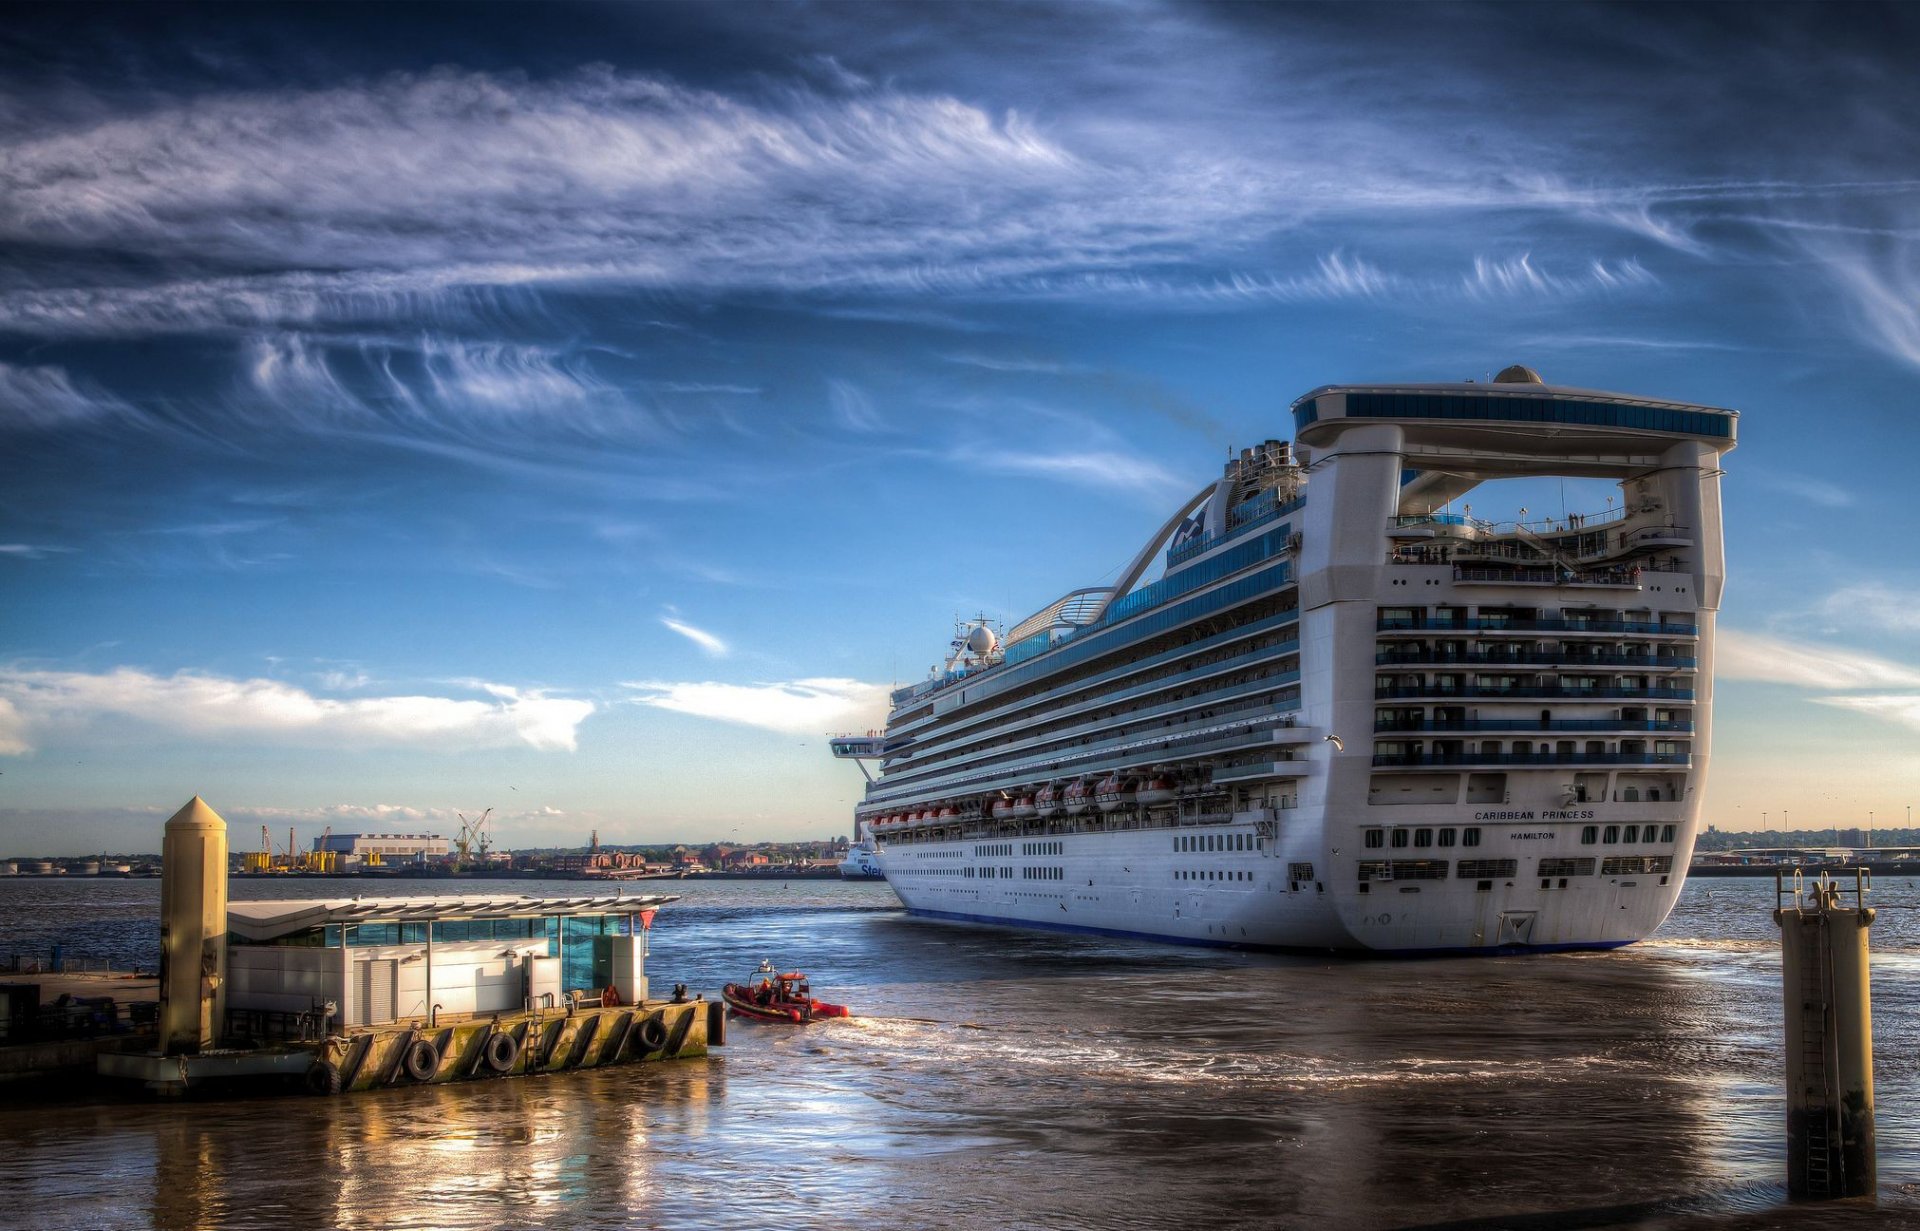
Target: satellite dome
(980, 640)
(1518, 374)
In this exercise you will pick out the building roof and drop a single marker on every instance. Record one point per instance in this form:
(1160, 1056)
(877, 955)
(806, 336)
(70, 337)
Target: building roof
(265, 920)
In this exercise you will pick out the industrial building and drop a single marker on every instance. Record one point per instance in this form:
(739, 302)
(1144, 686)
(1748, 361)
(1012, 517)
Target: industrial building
(389, 846)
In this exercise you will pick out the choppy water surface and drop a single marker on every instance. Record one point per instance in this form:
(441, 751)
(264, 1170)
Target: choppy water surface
(1012, 1079)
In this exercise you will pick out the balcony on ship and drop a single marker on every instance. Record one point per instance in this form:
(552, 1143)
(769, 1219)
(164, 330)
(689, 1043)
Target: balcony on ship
(1419, 622)
(1442, 691)
(1524, 722)
(1429, 760)
(1571, 656)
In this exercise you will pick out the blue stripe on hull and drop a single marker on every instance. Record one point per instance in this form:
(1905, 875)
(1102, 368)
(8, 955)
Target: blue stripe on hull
(1204, 943)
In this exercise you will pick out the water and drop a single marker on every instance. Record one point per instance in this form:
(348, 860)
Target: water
(1011, 1079)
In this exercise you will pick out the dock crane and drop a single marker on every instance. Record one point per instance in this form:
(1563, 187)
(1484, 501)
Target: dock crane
(472, 840)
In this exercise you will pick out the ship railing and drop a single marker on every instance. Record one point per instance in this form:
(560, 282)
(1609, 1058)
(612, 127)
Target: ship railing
(904, 772)
(1521, 724)
(1431, 658)
(1679, 760)
(1408, 691)
(1194, 652)
(1123, 756)
(1486, 624)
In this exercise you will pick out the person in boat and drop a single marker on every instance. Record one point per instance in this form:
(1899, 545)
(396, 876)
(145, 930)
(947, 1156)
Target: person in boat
(764, 993)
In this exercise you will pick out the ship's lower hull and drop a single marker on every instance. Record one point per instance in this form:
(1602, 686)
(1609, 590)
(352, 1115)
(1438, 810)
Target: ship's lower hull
(1246, 892)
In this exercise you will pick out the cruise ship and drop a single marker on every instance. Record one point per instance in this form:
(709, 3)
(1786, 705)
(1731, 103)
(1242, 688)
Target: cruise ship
(1347, 714)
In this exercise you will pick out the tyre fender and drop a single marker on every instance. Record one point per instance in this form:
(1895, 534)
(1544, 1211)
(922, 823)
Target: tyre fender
(502, 1049)
(422, 1060)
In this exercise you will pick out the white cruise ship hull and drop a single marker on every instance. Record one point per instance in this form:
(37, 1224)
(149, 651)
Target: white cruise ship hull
(1132, 884)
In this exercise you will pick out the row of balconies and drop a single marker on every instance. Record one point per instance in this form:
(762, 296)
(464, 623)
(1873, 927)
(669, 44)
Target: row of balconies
(1421, 760)
(1504, 624)
(1388, 692)
(1521, 722)
(1565, 655)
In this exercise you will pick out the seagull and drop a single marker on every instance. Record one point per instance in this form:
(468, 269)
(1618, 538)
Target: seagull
(1338, 744)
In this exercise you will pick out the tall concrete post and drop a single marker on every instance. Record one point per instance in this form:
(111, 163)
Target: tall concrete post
(1830, 1147)
(193, 929)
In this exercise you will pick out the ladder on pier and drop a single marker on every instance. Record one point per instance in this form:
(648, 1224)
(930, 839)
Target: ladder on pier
(1819, 1067)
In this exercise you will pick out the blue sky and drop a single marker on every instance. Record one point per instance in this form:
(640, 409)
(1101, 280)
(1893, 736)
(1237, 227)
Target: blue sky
(577, 411)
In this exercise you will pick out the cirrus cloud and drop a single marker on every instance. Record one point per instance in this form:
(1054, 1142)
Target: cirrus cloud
(34, 703)
(798, 707)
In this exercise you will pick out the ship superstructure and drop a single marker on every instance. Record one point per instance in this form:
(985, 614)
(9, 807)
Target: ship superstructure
(1346, 716)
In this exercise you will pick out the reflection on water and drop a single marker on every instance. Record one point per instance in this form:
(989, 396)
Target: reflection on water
(1025, 1079)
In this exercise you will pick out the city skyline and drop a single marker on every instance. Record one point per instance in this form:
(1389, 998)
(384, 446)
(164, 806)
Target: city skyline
(582, 411)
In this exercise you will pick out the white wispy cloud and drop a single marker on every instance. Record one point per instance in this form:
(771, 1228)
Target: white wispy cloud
(852, 408)
(1813, 491)
(802, 707)
(35, 702)
(714, 646)
(31, 551)
(433, 384)
(44, 397)
(1867, 683)
(1095, 468)
(1521, 276)
(1901, 709)
(1879, 281)
(1874, 605)
(395, 197)
(1776, 660)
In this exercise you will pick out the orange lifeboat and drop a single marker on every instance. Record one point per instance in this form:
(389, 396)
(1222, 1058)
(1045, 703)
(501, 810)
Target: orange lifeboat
(1002, 809)
(947, 813)
(1048, 801)
(1076, 799)
(1157, 791)
(1113, 792)
(1023, 806)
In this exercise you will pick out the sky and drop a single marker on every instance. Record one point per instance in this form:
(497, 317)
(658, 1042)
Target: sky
(577, 411)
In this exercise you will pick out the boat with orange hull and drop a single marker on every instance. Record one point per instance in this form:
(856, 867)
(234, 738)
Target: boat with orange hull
(770, 996)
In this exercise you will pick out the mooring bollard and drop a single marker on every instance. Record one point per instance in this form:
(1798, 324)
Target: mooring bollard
(1830, 1151)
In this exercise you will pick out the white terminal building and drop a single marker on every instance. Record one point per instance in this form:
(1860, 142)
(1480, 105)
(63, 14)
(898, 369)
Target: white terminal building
(389, 846)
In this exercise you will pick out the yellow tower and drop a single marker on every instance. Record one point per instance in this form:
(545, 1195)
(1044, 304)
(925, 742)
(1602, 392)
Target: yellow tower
(193, 929)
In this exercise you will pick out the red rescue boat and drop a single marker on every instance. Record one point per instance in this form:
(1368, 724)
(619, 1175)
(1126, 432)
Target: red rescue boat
(769, 996)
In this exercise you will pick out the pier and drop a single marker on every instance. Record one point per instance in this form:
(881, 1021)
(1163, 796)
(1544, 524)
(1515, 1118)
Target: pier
(356, 993)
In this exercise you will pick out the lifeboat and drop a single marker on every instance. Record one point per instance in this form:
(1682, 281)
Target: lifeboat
(1113, 792)
(1076, 798)
(1002, 809)
(947, 813)
(770, 996)
(1023, 806)
(1157, 791)
(1048, 801)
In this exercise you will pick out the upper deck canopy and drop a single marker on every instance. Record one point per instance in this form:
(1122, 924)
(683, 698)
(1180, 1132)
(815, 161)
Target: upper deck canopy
(1509, 404)
(266, 920)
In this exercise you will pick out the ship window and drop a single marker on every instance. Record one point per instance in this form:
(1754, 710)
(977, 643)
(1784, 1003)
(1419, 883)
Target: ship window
(1612, 834)
(1470, 836)
(1447, 837)
(1375, 839)
(1589, 835)
(1399, 837)
(1632, 834)
(1423, 837)
(1666, 833)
